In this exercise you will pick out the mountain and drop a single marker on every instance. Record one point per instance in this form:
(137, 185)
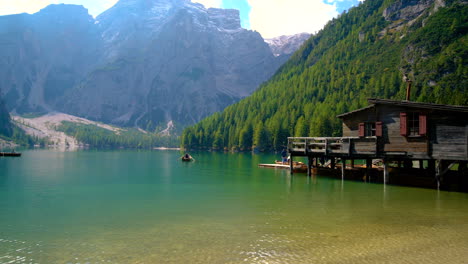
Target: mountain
(287, 45)
(142, 63)
(364, 53)
(44, 55)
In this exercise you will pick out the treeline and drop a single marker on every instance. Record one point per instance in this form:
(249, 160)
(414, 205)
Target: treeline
(353, 58)
(98, 137)
(10, 132)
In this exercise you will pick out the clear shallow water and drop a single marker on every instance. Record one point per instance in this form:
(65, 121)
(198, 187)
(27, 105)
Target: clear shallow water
(148, 207)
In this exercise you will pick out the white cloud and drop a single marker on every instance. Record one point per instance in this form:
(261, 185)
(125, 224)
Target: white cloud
(22, 6)
(273, 18)
(95, 7)
(210, 3)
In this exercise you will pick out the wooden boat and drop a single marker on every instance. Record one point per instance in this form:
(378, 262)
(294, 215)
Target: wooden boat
(10, 154)
(187, 157)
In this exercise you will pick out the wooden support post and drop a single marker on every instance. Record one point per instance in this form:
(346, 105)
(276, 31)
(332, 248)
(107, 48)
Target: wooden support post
(291, 164)
(399, 164)
(421, 164)
(385, 173)
(408, 164)
(461, 173)
(343, 168)
(431, 167)
(332, 163)
(309, 166)
(438, 175)
(368, 169)
(352, 163)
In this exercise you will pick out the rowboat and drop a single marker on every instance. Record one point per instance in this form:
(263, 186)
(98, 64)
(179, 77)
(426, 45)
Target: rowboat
(187, 157)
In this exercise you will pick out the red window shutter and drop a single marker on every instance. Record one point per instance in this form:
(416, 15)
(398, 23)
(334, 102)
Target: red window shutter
(378, 129)
(422, 124)
(403, 124)
(361, 129)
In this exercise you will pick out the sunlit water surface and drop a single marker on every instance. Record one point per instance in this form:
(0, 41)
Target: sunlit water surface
(148, 207)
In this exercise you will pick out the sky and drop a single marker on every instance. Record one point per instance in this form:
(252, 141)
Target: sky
(271, 18)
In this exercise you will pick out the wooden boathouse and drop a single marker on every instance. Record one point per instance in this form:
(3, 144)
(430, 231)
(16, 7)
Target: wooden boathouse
(430, 137)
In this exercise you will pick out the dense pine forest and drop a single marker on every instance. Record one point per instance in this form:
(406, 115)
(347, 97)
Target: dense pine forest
(10, 132)
(97, 137)
(364, 53)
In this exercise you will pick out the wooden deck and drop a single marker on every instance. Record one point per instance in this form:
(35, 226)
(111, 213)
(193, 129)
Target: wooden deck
(334, 146)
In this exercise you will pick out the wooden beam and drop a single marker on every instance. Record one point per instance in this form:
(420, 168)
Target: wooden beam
(291, 164)
(343, 168)
(385, 174)
(368, 169)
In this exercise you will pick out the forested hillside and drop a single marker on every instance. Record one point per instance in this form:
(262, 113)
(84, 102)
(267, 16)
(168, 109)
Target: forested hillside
(362, 54)
(5, 124)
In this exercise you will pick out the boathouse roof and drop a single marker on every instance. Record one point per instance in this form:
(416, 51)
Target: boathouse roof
(374, 101)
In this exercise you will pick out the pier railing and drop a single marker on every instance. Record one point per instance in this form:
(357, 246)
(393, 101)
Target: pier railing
(333, 145)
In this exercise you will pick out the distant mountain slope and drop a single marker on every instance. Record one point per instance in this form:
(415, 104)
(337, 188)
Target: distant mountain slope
(287, 45)
(364, 53)
(142, 63)
(44, 55)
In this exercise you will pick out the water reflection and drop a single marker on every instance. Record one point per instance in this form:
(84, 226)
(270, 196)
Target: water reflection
(148, 207)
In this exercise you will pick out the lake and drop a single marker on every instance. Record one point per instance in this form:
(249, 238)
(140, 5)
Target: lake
(148, 207)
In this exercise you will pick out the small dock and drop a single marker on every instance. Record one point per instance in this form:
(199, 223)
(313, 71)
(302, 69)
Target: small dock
(10, 154)
(297, 167)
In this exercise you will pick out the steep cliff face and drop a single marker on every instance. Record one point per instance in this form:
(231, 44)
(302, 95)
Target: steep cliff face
(141, 63)
(44, 55)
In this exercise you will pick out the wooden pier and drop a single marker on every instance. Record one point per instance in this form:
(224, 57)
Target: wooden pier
(10, 154)
(421, 138)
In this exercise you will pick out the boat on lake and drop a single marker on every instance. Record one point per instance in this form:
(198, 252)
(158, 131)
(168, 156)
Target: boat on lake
(187, 157)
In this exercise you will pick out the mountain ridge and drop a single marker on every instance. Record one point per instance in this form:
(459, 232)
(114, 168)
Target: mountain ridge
(140, 63)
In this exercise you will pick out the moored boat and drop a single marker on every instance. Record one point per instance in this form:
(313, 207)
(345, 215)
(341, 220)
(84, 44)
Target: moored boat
(10, 154)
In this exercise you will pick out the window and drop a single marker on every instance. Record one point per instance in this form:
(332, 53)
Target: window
(370, 129)
(413, 124)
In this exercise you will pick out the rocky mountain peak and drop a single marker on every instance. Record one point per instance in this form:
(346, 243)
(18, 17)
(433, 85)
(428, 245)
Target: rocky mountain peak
(225, 18)
(286, 45)
(64, 13)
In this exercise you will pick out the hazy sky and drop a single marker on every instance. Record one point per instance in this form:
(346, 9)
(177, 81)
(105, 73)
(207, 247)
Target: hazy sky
(271, 18)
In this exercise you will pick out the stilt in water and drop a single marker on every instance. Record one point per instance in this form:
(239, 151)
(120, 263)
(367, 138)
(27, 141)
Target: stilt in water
(368, 169)
(385, 174)
(343, 168)
(291, 165)
(309, 166)
(438, 174)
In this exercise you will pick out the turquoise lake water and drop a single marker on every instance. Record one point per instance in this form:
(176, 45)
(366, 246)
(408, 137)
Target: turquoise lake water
(148, 207)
